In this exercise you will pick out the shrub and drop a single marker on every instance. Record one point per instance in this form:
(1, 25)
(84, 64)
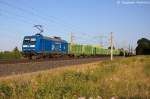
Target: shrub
(6, 90)
(147, 69)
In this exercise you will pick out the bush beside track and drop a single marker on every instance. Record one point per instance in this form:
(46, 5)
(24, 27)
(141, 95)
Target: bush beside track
(10, 55)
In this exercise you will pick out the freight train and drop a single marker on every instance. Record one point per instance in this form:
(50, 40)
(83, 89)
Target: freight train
(39, 46)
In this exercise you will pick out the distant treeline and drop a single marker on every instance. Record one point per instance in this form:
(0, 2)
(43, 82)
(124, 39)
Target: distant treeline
(14, 54)
(143, 47)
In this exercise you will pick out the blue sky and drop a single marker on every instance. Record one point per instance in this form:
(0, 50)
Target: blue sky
(86, 19)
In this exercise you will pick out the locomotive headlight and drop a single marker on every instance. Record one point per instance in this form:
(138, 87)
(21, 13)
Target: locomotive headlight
(32, 45)
(25, 46)
(28, 46)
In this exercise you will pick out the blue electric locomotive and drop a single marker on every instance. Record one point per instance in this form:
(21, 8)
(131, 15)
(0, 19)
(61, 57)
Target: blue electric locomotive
(39, 46)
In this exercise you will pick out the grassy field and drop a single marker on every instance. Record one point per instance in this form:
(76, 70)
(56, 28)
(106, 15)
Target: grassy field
(127, 78)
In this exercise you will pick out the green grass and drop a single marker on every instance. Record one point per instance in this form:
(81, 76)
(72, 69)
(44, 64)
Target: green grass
(122, 78)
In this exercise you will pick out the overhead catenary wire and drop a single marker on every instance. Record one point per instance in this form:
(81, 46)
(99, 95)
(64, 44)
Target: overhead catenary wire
(34, 12)
(28, 12)
(47, 19)
(22, 19)
(94, 39)
(19, 18)
(53, 18)
(50, 19)
(22, 10)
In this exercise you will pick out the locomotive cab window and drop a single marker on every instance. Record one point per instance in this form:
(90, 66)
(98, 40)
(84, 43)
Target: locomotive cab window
(30, 41)
(26, 41)
(33, 41)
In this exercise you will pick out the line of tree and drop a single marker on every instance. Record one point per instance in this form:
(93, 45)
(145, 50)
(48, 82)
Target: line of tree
(14, 54)
(143, 47)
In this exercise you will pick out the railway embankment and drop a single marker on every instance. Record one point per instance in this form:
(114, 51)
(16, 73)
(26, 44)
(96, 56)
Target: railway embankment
(25, 66)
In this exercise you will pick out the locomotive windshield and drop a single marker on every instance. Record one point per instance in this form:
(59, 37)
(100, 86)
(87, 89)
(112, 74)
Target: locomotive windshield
(30, 41)
(26, 41)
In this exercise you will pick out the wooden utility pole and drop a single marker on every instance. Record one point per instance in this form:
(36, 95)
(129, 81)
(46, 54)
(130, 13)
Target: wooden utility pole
(124, 47)
(129, 50)
(71, 38)
(101, 40)
(111, 45)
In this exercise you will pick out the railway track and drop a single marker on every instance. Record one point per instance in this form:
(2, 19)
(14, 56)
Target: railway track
(28, 61)
(42, 60)
(20, 67)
